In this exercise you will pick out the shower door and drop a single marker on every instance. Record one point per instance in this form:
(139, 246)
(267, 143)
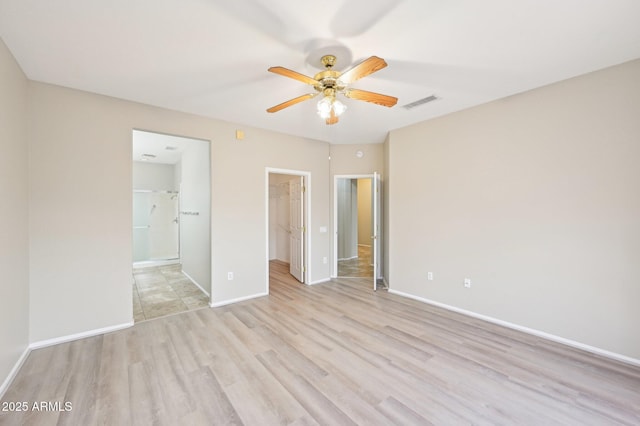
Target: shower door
(155, 226)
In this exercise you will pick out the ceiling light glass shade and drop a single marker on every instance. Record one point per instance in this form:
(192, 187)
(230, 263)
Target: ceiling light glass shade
(329, 103)
(338, 107)
(324, 107)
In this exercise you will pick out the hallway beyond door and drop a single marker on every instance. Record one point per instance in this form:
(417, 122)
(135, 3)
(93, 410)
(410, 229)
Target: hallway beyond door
(360, 266)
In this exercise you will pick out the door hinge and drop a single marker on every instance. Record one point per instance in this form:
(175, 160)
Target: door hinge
(304, 188)
(304, 269)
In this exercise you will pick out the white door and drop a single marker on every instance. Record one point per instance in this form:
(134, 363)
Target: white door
(296, 236)
(376, 237)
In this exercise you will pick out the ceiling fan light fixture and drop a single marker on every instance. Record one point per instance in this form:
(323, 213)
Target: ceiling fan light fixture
(324, 107)
(338, 107)
(329, 83)
(329, 103)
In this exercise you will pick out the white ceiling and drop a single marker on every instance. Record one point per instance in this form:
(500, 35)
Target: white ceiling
(210, 57)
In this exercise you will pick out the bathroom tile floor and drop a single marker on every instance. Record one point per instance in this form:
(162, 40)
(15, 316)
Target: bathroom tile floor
(164, 290)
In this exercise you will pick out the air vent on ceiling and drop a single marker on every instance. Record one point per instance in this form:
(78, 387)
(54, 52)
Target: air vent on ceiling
(148, 156)
(421, 102)
(171, 148)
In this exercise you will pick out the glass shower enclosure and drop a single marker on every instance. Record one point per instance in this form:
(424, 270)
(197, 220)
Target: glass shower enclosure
(156, 226)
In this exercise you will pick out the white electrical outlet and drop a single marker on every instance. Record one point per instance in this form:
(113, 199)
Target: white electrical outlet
(467, 282)
(324, 260)
(230, 276)
(430, 276)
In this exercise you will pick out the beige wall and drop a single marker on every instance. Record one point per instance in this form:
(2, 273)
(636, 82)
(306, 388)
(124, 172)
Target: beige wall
(536, 199)
(81, 205)
(14, 237)
(345, 162)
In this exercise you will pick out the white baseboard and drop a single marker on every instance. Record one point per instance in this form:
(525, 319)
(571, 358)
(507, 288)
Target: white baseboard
(14, 371)
(534, 332)
(78, 336)
(324, 280)
(196, 283)
(239, 299)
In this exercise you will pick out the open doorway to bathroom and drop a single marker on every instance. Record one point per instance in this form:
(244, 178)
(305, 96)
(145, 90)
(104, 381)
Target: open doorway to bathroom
(171, 221)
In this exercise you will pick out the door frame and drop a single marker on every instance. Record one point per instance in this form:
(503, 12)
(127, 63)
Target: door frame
(306, 244)
(371, 176)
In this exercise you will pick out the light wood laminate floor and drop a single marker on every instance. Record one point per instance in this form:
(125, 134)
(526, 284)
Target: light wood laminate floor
(329, 354)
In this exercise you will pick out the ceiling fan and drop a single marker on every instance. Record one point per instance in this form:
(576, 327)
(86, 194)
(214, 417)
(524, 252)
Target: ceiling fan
(330, 83)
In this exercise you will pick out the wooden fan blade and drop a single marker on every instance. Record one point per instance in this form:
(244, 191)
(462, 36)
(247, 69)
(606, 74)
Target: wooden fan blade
(333, 118)
(291, 102)
(376, 98)
(363, 69)
(293, 74)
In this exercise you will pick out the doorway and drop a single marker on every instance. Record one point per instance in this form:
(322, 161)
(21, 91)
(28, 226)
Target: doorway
(171, 224)
(356, 227)
(287, 217)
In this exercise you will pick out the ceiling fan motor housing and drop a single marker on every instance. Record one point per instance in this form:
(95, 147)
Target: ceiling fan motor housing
(328, 61)
(328, 79)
